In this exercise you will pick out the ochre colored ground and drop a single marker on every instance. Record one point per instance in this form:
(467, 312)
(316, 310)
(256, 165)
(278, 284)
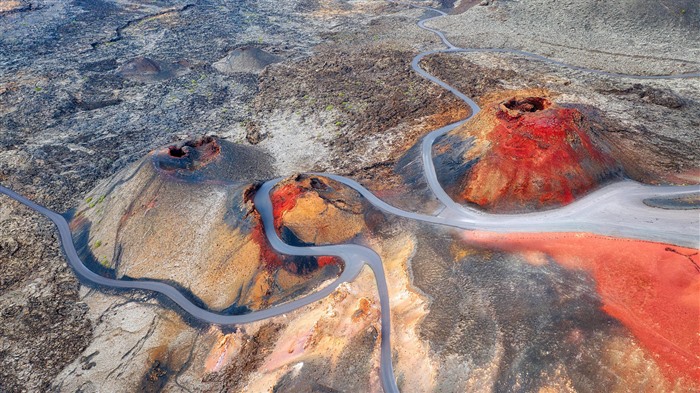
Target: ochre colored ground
(283, 199)
(651, 288)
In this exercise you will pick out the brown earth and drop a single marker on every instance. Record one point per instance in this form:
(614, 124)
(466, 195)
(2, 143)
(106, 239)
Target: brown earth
(371, 90)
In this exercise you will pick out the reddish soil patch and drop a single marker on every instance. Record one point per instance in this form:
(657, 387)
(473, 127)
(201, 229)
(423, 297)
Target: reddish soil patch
(283, 200)
(268, 256)
(538, 152)
(652, 288)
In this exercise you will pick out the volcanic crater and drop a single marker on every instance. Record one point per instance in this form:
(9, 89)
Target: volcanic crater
(524, 152)
(184, 215)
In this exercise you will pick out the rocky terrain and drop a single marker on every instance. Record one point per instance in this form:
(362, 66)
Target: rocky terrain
(632, 36)
(89, 87)
(100, 106)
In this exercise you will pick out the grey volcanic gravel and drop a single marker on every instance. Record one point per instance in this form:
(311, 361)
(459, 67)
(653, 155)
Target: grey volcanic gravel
(43, 323)
(626, 36)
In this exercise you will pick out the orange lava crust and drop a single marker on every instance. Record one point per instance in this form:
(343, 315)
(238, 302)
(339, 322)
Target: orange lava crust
(651, 288)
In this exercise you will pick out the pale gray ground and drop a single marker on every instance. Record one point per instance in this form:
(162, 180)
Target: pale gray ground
(627, 36)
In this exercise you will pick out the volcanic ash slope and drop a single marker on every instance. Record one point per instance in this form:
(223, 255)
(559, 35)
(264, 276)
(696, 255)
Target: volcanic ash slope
(184, 215)
(523, 152)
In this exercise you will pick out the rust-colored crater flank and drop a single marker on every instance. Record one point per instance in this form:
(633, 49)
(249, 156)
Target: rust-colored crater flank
(311, 210)
(530, 153)
(269, 258)
(188, 155)
(284, 198)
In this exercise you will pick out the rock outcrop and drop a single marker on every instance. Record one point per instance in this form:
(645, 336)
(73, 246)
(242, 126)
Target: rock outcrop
(318, 210)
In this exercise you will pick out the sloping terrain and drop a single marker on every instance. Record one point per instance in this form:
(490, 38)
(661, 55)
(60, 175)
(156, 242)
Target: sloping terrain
(523, 152)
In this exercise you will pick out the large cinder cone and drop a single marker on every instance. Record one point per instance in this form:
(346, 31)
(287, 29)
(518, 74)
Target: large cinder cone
(523, 152)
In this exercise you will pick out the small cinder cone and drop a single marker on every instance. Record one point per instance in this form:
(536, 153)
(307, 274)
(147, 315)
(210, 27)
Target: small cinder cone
(245, 60)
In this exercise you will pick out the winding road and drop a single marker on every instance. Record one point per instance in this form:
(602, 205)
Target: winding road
(616, 210)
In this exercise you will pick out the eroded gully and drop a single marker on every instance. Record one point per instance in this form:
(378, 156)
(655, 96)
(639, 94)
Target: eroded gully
(615, 210)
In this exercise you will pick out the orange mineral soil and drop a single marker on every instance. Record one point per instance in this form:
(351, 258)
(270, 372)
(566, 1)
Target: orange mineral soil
(283, 200)
(651, 288)
(531, 152)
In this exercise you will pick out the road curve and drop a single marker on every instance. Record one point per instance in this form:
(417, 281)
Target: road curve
(354, 257)
(354, 253)
(616, 210)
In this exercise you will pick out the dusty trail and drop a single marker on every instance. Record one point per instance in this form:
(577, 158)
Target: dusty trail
(616, 210)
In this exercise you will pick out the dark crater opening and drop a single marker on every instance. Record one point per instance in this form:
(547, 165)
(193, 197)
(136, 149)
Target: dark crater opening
(528, 104)
(176, 151)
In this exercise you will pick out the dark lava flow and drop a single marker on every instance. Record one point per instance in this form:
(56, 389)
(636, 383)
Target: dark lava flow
(618, 197)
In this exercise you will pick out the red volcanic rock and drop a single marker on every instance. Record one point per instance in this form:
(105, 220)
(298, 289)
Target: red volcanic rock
(651, 288)
(284, 199)
(310, 209)
(528, 153)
